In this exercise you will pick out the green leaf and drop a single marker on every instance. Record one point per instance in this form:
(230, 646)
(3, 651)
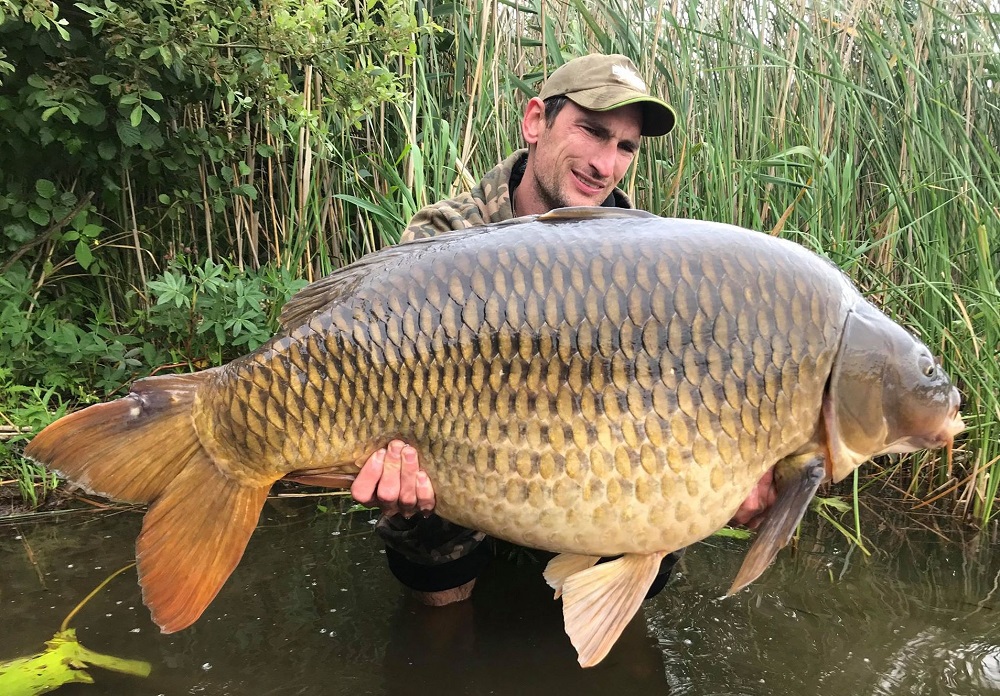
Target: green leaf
(136, 117)
(106, 150)
(100, 80)
(63, 662)
(45, 188)
(371, 208)
(247, 190)
(92, 115)
(835, 503)
(164, 199)
(17, 233)
(84, 256)
(38, 216)
(130, 135)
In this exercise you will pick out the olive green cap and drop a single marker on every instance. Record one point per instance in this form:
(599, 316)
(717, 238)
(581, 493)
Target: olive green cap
(604, 82)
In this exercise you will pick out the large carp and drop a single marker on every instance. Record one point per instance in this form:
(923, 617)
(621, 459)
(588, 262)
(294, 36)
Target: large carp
(588, 382)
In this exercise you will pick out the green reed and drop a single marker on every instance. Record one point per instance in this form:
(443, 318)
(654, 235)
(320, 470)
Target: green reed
(867, 131)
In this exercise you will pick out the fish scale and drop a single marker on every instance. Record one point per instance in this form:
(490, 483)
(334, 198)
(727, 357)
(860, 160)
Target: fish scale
(589, 382)
(422, 373)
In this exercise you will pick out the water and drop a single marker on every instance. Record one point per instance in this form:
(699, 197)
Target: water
(313, 609)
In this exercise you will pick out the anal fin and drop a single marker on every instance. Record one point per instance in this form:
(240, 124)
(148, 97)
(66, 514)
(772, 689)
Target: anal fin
(794, 495)
(321, 480)
(600, 601)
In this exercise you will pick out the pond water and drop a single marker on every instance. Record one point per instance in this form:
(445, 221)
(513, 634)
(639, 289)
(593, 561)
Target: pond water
(313, 609)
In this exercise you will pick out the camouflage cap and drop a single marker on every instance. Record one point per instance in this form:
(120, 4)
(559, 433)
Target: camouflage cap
(604, 82)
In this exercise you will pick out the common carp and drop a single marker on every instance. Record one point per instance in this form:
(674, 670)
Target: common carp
(589, 382)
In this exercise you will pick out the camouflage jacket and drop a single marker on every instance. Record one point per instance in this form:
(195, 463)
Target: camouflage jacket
(488, 202)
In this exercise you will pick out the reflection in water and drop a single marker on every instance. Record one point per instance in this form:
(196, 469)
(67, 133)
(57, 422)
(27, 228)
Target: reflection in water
(509, 639)
(917, 617)
(313, 609)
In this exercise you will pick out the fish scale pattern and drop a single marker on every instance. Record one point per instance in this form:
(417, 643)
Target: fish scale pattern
(576, 387)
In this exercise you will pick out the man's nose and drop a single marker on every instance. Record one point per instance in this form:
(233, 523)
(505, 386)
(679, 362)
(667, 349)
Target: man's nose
(603, 160)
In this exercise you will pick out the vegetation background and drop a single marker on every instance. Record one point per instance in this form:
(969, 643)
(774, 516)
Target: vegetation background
(170, 172)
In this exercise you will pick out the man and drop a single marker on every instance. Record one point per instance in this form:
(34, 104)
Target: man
(582, 133)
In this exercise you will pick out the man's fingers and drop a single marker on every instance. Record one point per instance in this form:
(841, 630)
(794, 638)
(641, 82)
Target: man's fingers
(388, 486)
(392, 479)
(425, 493)
(750, 512)
(408, 481)
(363, 488)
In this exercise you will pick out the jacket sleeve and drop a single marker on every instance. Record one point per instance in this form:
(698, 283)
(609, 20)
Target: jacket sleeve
(457, 213)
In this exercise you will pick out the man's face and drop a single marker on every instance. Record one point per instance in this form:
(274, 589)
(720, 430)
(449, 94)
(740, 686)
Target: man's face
(580, 155)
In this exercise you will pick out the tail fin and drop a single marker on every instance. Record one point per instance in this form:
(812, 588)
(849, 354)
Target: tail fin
(144, 448)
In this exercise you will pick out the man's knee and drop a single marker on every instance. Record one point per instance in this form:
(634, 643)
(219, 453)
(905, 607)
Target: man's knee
(436, 577)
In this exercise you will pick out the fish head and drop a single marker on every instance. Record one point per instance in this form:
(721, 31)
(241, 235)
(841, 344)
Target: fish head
(887, 394)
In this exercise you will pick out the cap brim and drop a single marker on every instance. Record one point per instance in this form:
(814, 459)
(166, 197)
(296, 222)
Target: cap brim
(658, 117)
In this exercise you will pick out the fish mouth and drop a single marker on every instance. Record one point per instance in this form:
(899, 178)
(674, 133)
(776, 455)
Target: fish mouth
(944, 436)
(952, 427)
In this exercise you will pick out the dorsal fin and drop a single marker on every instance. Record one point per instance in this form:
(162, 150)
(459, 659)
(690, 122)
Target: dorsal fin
(319, 295)
(593, 213)
(341, 283)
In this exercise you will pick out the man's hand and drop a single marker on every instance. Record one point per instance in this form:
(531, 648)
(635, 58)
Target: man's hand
(393, 480)
(751, 512)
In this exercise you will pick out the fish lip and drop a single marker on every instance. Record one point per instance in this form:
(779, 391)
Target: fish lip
(943, 437)
(954, 426)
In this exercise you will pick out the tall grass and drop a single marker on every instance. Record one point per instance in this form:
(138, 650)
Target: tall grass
(866, 130)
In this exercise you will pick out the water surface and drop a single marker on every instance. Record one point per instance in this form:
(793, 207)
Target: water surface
(313, 609)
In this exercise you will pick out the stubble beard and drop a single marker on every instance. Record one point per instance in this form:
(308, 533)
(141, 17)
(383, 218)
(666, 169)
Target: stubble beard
(550, 194)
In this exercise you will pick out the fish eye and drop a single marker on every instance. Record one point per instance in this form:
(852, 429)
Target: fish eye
(927, 365)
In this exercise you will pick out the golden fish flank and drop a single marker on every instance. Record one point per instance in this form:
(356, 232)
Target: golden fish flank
(587, 382)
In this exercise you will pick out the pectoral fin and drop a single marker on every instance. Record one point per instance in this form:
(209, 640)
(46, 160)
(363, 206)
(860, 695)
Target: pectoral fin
(564, 565)
(600, 601)
(784, 516)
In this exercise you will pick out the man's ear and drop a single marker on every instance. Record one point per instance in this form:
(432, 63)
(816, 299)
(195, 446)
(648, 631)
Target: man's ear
(533, 122)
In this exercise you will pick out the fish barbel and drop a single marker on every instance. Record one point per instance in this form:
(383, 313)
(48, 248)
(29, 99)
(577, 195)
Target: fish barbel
(589, 382)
